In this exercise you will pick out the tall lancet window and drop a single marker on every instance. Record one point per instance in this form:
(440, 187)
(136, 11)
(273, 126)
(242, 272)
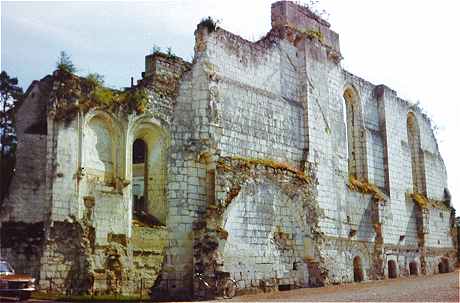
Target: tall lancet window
(356, 135)
(416, 155)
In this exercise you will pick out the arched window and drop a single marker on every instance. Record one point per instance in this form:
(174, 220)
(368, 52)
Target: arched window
(149, 172)
(356, 135)
(416, 154)
(98, 148)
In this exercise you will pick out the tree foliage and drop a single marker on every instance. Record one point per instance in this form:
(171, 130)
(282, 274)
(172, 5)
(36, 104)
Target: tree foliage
(10, 93)
(64, 63)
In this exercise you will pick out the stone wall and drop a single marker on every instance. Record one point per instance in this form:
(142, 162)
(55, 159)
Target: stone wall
(269, 215)
(28, 188)
(266, 153)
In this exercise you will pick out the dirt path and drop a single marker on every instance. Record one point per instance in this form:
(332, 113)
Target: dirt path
(443, 287)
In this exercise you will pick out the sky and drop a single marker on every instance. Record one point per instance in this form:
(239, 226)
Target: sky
(410, 46)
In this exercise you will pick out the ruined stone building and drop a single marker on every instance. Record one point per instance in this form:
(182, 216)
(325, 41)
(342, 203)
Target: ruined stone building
(267, 154)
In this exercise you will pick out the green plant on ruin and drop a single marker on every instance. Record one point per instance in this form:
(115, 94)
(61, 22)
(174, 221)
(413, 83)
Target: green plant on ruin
(209, 23)
(95, 79)
(312, 34)
(156, 49)
(171, 55)
(73, 94)
(136, 99)
(65, 64)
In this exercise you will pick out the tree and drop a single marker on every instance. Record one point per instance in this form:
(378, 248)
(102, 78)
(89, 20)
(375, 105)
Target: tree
(64, 63)
(10, 93)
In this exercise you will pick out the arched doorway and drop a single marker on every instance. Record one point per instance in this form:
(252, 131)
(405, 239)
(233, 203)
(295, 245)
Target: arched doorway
(392, 274)
(140, 181)
(443, 266)
(358, 275)
(413, 268)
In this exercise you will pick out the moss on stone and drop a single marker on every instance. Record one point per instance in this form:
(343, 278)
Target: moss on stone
(366, 188)
(267, 163)
(421, 200)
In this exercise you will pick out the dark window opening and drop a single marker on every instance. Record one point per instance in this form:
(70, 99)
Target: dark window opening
(139, 184)
(139, 151)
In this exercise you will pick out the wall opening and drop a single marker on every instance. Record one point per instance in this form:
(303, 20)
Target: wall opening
(358, 275)
(148, 173)
(392, 273)
(99, 148)
(284, 287)
(413, 268)
(140, 179)
(356, 135)
(443, 266)
(416, 154)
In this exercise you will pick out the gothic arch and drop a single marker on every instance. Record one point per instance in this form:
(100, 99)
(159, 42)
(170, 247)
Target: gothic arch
(152, 181)
(101, 146)
(416, 154)
(355, 134)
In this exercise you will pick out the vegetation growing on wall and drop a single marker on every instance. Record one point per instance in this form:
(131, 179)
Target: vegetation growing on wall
(267, 163)
(366, 188)
(425, 203)
(312, 34)
(421, 200)
(72, 94)
(209, 23)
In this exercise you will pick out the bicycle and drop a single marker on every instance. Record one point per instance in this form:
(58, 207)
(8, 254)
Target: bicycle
(221, 283)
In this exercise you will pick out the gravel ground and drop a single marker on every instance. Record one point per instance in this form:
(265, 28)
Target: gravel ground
(437, 288)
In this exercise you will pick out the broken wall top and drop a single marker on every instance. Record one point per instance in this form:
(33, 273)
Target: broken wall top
(302, 19)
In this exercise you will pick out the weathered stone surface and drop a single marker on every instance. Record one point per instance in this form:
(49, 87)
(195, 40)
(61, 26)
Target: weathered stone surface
(266, 160)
